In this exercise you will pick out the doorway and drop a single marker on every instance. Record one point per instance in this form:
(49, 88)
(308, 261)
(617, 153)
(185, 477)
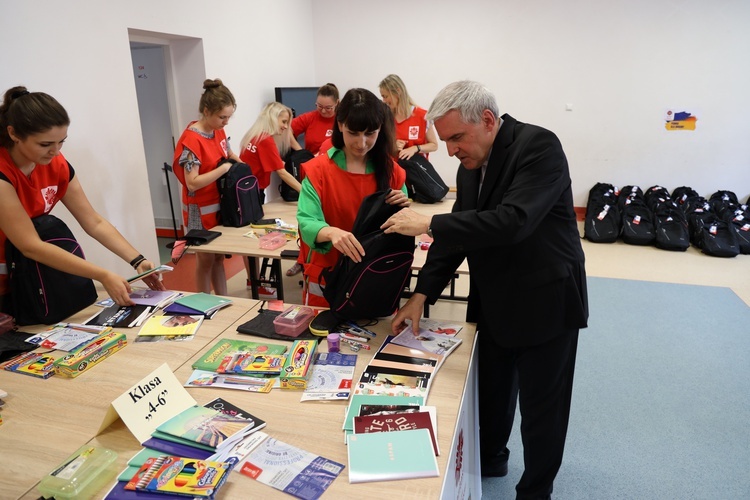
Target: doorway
(165, 66)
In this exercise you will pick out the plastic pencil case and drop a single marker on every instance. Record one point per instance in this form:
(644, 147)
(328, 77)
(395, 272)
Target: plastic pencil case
(272, 241)
(80, 475)
(293, 320)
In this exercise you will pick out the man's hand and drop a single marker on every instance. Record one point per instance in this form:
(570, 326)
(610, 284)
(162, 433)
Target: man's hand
(407, 222)
(412, 311)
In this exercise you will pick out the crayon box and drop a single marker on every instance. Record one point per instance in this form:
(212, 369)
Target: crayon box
(298, 364)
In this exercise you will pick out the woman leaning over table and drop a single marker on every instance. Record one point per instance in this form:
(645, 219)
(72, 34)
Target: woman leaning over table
(34, 176)
(263, 147)
(414, 134)
(198, 164)
(360, 163)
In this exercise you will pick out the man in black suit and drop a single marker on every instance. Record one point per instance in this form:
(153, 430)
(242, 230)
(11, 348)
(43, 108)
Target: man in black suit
(513, 220)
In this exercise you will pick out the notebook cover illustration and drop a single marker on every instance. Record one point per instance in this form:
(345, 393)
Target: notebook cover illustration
(396, 422)
(161, 325)
(202, 426)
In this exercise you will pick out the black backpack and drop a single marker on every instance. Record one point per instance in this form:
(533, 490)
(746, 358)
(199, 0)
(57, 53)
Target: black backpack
(739, 219)
(638, 223)
(672, 232)
(422, 181)
(371, 288)
(39, 293)
(240, 203)
(602, 221)
(293, 165)
(717, 238)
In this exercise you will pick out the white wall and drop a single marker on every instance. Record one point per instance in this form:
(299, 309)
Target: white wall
(79, 53)
(620, 63)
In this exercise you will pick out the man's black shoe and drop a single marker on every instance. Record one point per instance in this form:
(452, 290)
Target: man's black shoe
(496, 466)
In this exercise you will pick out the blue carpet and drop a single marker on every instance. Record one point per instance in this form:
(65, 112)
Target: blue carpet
(661, 401)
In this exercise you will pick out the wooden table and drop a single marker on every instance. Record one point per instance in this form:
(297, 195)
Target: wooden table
(46, 420)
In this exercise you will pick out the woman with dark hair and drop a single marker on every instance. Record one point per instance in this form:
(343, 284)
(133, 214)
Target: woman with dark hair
(359, 163)
(199, 160)
(34, 176)
(317, 125)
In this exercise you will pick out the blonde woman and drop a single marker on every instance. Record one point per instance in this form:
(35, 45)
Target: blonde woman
(266, 143)
(414, 134)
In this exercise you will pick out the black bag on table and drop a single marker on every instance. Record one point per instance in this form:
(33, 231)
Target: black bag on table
(240, 203)
(371, 288)
(293, 165)
(422, 181)
(602, 222)
(39, 293)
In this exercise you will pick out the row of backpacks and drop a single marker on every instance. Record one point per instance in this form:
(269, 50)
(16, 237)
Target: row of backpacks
(718, 226)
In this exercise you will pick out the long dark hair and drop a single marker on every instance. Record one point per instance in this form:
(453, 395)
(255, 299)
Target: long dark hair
(29, 113)
(361, 111)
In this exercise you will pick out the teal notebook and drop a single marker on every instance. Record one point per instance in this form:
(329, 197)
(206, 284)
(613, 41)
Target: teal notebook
(388, 456)
(203, 302)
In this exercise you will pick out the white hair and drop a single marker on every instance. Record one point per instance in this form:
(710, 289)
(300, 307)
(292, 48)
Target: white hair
(469, 98)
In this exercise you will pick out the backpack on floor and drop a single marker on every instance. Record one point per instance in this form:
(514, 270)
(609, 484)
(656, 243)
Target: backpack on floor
(716, 238)
(637, 223)
(723, 200)
(370, 288)
(682, 194)
(240, 196)
(656, 196)
(672, 232)
(293, 165)
(39, 293)
(422, 181)
(739, 219)
(697, 210)
(602, 221)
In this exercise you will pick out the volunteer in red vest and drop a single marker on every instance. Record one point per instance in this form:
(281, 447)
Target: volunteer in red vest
(414, 134)
(318, 127)
(197, 164)
(263, 147)
(34, 176)
(359, 164)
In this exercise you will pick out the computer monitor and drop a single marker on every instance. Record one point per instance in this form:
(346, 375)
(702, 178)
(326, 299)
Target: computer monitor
(300, 99)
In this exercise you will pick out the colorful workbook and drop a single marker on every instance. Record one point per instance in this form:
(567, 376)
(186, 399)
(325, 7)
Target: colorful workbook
(214, 356)
(393, 382)
(357, 400)
(203, 378)
(120, 316)
(387, 456)
(203, 302)
(202, 427)
(156, 298)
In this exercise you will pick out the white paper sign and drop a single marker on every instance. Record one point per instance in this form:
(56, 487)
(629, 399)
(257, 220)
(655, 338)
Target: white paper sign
(155, 399)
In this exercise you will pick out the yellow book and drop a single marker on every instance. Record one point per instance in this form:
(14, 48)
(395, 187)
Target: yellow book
(171, 325)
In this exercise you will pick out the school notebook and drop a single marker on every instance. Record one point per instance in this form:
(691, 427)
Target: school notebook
(203, 302)
(386, 456)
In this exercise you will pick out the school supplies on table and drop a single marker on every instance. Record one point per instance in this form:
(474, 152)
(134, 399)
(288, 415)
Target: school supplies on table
(252, 364)
(397, 422)
(297, 364)
(90, 354)
(331, 377)
(177, 475)
(120, 316)
(203, 378)
(213, 357)
(203, 428)
(79, 475)
(35, 364)
(155, 298)
(157, 269)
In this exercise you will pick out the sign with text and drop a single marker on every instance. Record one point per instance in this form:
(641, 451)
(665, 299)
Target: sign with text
(153, 400)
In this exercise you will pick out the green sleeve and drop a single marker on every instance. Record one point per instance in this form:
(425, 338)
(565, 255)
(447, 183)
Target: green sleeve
(310, 218)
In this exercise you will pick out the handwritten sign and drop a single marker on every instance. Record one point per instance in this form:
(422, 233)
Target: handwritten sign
(153, 400)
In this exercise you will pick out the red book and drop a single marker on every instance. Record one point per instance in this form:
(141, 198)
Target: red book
(396, 422)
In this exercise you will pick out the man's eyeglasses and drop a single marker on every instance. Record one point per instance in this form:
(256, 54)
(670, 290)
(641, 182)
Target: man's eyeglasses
(324, 108)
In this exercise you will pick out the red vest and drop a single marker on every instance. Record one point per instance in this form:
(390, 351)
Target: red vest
(38, 193)
(316, 129)
(208, 152)
(263, 157)
(341, 194)
(413, 129)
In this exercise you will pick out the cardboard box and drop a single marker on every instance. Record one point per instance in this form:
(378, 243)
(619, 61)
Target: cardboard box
(298, 364)
(90, 354)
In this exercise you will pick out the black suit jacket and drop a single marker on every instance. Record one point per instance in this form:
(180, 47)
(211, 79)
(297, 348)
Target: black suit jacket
(527, 274)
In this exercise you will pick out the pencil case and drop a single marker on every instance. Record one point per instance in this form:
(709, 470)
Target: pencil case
(80, 475)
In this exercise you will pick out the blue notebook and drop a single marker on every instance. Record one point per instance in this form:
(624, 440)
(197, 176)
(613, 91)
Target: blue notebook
(177, 449)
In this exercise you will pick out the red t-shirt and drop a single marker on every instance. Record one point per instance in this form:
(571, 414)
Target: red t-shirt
(316, 129)
(38, 193)
(413, 129)
(263, 157)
